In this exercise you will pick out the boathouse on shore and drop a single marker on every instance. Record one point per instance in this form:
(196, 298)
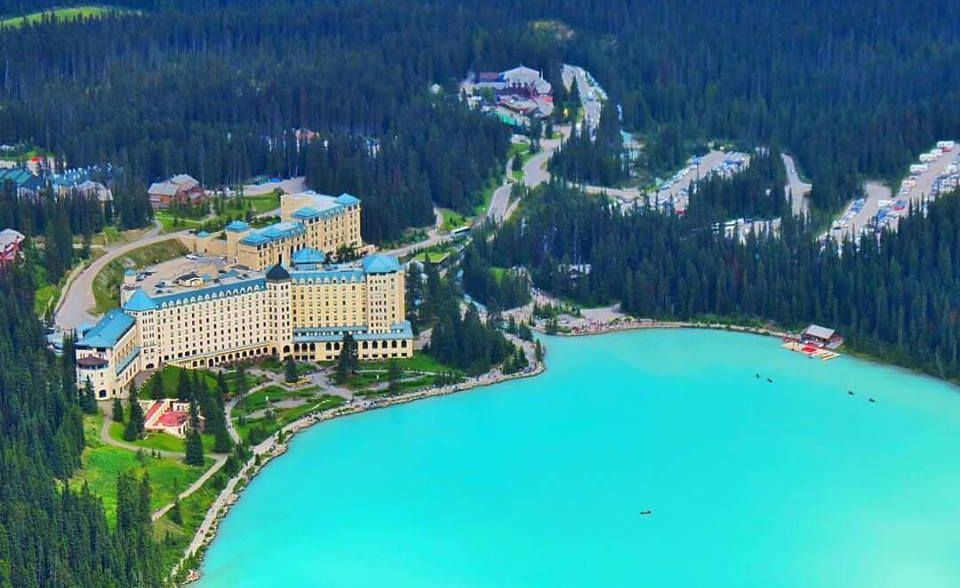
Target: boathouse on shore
(821, 337)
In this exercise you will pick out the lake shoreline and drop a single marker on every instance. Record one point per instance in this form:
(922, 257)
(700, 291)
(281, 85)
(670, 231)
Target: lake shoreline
(637, 325)
(278, 443)
(273, 447)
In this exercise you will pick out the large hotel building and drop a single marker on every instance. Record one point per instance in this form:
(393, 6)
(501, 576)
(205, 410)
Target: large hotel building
(283, 297)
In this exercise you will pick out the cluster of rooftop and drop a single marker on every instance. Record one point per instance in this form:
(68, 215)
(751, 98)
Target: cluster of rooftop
(308, 220)
(518, 95)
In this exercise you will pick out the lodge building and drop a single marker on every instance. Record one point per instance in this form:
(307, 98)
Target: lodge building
(303, 310)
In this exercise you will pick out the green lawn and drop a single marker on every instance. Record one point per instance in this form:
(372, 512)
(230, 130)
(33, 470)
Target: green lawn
(161, 441)
(453, 219)
(265, 398)
(106, 285)
(263, 203)
(420, 361)
(170, 375)
(174, 538)
(286, 415)
(172, 224)
(405, 386)
(487, 196)
(64, 14)
(102, 464)
(437, 253)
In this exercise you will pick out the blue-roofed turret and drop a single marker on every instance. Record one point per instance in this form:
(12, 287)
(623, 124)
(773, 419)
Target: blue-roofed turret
(308, 257)
(140, 302)
(277, 274)
(237, 226)
(380, 264)
(347, 199)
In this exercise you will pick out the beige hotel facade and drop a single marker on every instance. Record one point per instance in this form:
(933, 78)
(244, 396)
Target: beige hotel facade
(301, 306)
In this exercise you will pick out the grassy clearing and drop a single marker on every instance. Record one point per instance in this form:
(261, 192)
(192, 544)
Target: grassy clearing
(64, 15)
(422, 362)
(102, 464)
(263, 203)
(173, 224)
(486, 197)
(161, 441)
(174, 538)
(452, 219)
(266, 398)
(282, 416)
(106, 285)
(437, 253)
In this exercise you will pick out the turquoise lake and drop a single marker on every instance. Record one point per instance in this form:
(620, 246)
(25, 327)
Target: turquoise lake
(541, 482)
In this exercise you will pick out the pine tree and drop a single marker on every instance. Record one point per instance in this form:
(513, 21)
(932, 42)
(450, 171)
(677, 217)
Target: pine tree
(222, 390)
(156, 387)
(194, 453)
(176, 514)
(117, 410)
(135, 424)
(184, 386)
(88, 400)
(393, 377)
(222, 441)
(290, 370)
(347, 360)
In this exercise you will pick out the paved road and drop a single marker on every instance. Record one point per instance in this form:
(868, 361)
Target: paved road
(590, 96)
(708, 163)
(78, 302)
(534, 173)
(796, 188)
(434, 237)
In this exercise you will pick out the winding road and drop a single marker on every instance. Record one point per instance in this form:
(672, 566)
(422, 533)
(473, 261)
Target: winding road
(796, 188)
(78, 302)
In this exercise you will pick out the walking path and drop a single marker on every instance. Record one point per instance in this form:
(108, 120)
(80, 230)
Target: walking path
(218, 461)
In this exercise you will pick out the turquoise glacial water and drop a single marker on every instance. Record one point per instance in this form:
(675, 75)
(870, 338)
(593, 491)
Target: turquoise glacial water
(540, 483)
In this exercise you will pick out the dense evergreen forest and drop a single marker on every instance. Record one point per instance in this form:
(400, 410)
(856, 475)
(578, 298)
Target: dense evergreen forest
(894, 298)
(216, 89)
(460, 337)
(50, 536)
(756, 192)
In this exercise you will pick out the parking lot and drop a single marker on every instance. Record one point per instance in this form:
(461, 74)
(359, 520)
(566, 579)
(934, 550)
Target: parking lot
(937, 171)
(163, 276)
(673, 196)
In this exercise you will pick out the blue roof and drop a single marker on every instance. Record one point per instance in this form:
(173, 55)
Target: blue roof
(237, 226)
(308, 255)
(202, 234)
(108, 330)
(380, 264)
(306, 212)
(217, 291)
(274, 232)
(360, 333)
(129, 272)
(254, 239)
(347, 199)
(140, 301)
(334, 273)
